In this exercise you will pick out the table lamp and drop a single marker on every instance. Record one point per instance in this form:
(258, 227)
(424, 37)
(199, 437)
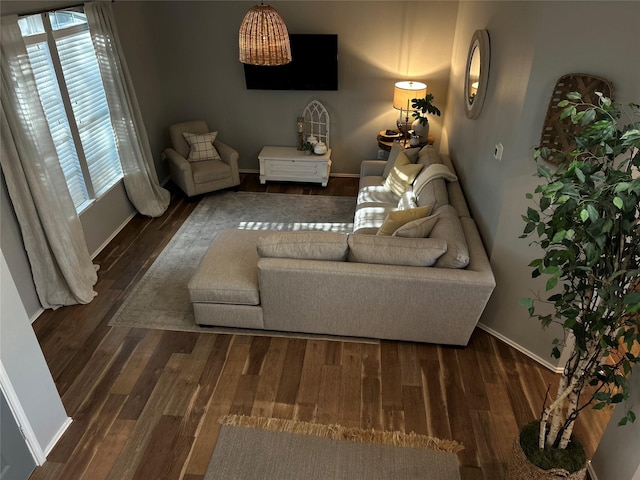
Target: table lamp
(403, 93)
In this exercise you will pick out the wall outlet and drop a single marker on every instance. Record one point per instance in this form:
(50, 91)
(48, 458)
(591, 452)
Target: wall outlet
(380, 154)
(497, 152)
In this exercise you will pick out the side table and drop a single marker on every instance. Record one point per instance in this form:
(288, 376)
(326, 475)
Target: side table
(387, 144)
(293, 165)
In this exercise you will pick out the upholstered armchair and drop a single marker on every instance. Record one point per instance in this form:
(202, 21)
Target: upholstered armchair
(199, 162)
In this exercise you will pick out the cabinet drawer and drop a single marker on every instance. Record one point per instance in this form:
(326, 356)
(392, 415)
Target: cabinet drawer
(294, 167)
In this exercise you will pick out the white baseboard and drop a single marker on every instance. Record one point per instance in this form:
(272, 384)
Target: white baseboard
(58, 435)
(520, 348)
(112, 236)
(21, 418)
(592, 473)
(35, 316)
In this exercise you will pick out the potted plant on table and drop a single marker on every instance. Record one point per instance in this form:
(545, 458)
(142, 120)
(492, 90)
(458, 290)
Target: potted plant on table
(585, 219)
(421, 107)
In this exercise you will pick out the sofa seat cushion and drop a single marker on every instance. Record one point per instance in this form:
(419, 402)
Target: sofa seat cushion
(228, 272)
(210, 171)
(413, 252)
(377, 194)
(449, 228)
(370, 216)
(331, 246)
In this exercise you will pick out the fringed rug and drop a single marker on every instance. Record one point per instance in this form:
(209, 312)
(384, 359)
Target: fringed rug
(160, 300)
(275, 449)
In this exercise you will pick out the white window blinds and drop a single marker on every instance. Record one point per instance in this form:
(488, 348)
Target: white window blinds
(72, 95)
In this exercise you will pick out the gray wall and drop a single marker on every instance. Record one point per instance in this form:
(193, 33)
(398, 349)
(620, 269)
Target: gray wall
(25, 366)
(618, 454)
(184, 58)
(532, 45)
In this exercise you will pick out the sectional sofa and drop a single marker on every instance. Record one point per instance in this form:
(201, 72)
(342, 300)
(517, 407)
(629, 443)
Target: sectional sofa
(427, 279)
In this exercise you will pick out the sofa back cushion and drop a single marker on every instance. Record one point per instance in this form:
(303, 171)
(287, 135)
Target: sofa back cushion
(330, 246)
(428, 155)
(434, 193)
(449, 228)
(402, 175)
(413, 252)
(396, 148)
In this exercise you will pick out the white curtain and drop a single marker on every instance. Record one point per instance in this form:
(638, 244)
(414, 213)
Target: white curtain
(53, 238)
(140, 178)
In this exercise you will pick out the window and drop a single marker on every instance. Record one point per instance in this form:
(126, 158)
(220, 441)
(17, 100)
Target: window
(72, 95)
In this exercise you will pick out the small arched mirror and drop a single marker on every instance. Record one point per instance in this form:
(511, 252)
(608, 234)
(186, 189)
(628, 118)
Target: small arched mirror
(476, 73)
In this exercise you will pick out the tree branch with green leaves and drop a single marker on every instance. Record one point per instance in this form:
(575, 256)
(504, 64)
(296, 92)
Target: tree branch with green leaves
(585, 218)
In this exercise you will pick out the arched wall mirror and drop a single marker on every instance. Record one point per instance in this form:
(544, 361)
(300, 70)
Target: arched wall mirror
(476, 73)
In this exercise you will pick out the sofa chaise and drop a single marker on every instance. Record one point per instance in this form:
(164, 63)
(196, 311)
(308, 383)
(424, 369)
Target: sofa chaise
(405, 285)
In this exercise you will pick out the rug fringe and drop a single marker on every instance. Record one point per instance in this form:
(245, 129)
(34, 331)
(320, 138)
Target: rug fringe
(338, 432)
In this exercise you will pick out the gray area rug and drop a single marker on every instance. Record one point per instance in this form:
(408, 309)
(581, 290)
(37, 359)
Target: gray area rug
(160, 300)
(276, 449)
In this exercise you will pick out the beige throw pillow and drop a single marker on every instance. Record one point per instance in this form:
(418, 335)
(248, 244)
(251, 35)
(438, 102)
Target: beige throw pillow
(402, 175)
(412, 252)
(410, 153)
(420, 228)
(201, 146)
(397, 218)
(331, 246)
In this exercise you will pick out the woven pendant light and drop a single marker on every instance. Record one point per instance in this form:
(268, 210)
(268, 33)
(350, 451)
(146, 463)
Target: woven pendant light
(264, 39)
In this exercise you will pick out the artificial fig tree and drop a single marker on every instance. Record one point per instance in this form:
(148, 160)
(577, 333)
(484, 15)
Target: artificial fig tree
(584, 218)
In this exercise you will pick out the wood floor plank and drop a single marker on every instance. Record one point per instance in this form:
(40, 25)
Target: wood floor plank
(110, 448)
(290, 379)
(391, 380)
(329, 400)
(309, 388)
(437, 410)
(171, 342)
(146, 403)
(267, 390)
(351, 385)
(371, 389)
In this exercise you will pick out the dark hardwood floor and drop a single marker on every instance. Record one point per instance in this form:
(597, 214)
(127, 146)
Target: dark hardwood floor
(145, 403)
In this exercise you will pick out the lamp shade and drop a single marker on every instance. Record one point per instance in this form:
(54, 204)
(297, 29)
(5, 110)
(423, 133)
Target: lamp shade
(404, 92)
(263, 38)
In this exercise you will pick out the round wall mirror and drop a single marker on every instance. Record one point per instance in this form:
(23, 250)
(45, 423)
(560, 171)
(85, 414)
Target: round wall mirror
(476, 73)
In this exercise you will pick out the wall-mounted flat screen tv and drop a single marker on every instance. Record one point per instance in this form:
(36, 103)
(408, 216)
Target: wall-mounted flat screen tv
(314, 66)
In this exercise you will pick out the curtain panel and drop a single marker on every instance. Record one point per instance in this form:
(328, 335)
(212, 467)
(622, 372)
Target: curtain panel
(62, 269)
(140, 177)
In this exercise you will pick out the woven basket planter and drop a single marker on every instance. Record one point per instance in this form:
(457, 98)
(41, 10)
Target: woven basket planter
(520, 468)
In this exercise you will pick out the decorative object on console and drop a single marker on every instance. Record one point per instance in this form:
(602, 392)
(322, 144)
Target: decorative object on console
(307, 147)
(476, 73)
(423, 106)
(403, 93)
(320, 148)
(316, 122)
(558, 133)
(300, 131)
(263, 37)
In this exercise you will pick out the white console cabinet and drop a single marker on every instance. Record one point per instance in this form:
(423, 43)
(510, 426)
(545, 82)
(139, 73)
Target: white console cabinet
(292, 165)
